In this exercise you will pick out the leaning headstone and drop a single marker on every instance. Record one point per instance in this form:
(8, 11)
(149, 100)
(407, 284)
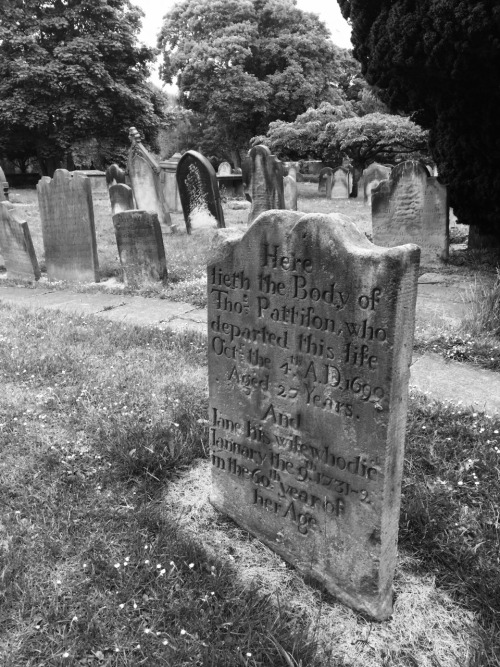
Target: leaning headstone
(412, 207)
(310, 340)
(140, 247)
(224, 169)
(372, 176)
(68, 228)
(169, 183)
(325, 179)
(145, 177)
(341, 183)
(290, 192)
(4, 186)
(121, 198)
(16, 245)
(199, 192)
(263, 179)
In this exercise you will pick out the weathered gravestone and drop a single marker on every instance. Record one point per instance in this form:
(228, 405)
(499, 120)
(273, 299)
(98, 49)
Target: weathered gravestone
(224, 169)
(290, 192)
(199, 192)
(263, 181)
(114, 175)
(68, 228)
(310, 339)
(16, 245)
(140, 247)
(145, 177)
(4, 186)
(325, 182)
(412, 207)
(121, 198)
(341, 183)
(372, 176)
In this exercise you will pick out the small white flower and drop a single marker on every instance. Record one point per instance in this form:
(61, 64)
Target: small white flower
(146, 562)
(121, 605)
(183, 632)
(117, 565)
(191, 565)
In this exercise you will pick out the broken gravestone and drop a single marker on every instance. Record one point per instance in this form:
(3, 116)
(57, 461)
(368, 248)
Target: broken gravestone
(121, 198)
(68, 229)
(145, 177)
(263, 181)
(140, 247)
(199, 192)
(310, 339)
(412, 207)
(16, 245)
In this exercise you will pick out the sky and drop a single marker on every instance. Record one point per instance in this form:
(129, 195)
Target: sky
(327, 10)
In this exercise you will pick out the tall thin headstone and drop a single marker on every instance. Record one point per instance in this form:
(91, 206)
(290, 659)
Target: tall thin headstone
(199, 192)
(412, 207)
(310, 340)
(121, 198)
(145, 177)
(16, 245)
(341, 183)
(140, 247)
(68, 228)
(325, 181)
(290, 192)
(263, 178)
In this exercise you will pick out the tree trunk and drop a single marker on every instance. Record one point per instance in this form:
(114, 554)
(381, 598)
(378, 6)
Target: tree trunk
(356, 175)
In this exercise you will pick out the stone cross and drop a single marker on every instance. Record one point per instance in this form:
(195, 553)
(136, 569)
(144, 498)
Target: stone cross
(310, 331)
(412, 207)
(199, 192)
(68, 228)
(16, 245)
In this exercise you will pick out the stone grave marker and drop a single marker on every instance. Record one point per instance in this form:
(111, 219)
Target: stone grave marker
(290, 192)
(224, 169)
(68, 228)
(341, 183)
(16, 245)
(372, 176)
(169, 183)
(412, 207)
(199, 192)
(145, 177)
(114, 175)
(140, 247)
(121, 198)
(310, 339)
(4, 186)
(263, 179)
(325, 181)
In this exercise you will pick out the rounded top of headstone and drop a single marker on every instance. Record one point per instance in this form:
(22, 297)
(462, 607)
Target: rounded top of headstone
(261, 149)
(409, 168)
(176, 156)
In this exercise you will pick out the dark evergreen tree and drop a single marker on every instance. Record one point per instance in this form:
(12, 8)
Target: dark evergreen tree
(72, 70)
(440, 61)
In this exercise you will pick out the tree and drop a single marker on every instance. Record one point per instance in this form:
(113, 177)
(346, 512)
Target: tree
(376, 137)
(440, 59)
(70, 70)
(242, 64)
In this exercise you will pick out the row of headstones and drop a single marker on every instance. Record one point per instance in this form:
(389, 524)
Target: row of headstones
(337, 183)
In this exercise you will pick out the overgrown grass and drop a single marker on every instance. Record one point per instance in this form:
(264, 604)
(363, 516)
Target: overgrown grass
(110, 553)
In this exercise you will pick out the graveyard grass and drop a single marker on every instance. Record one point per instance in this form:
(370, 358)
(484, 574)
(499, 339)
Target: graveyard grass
(110, 553)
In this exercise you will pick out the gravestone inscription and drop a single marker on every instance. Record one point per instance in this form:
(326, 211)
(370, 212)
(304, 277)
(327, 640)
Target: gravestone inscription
(412, 207)
(140, 247)
(121, 198)
(68, 228)
(16, 245)
(199, 192)
(310, 338)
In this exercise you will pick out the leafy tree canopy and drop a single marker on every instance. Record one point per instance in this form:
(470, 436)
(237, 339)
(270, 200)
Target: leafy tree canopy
(70, 70)
(440, 59)
(242, 64)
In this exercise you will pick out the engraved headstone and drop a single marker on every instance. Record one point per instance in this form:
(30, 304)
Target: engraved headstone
(68, 227)
(121, 198)
(412, 207)
(199, 192)
(310, 339)
(224, 169)
(290, 192)
(325, 181)
(372, 176)
(263, 178)
(145, 177)
(140, 247)
(16, 245)
(341, 183)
